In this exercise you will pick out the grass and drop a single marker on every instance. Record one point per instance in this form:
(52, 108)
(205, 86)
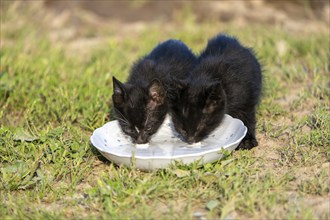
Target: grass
(52, 100)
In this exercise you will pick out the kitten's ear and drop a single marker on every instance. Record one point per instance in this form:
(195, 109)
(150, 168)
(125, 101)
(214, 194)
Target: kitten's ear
(118, 87)
(175, 89)
(119, 92)
(215, 91)
(215, 98)
(156, 94)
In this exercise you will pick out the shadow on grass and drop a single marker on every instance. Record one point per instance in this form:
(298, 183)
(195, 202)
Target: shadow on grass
(101, 158)
(99, 155)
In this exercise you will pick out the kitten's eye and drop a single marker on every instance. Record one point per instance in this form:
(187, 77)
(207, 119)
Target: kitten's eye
(148, 128)
(130, 131)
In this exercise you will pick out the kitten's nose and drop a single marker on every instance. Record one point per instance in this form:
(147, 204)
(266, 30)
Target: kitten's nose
(190, 140)
(141, 140)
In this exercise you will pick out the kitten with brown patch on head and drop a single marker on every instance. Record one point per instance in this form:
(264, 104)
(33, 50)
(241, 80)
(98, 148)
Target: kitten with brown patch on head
(141, 104)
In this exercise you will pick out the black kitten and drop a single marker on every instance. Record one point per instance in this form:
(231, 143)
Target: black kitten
(227, 80)
(140, 104)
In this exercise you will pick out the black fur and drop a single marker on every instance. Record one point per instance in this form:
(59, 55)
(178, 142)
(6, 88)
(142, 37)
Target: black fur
(227, 80)
(140, 105)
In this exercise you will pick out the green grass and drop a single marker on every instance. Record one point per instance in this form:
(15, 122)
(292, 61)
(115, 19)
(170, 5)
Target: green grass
(51, 101)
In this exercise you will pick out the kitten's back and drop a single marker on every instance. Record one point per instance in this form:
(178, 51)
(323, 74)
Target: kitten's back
(170, 59)
(174, 58)
(237, 64)
(171, 51)
(219, 45)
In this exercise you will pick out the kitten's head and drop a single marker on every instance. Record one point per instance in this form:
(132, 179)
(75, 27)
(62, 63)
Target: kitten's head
(140, 111)
(197, 109)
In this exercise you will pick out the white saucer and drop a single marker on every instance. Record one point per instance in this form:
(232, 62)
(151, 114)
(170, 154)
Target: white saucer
(165, 147)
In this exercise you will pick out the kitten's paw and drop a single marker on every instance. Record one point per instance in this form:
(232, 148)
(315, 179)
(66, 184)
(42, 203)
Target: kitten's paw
(247, 144)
